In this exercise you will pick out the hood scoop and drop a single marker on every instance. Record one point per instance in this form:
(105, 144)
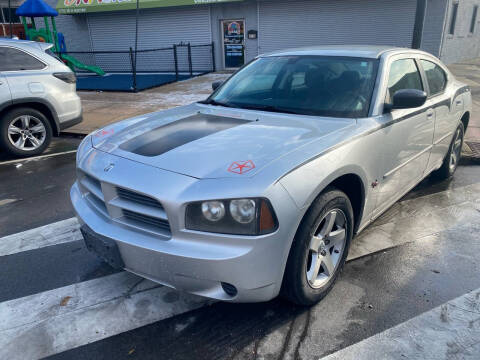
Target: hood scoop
(175, 134)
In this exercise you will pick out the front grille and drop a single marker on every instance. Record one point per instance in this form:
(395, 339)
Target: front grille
(125, 206)
(138, 198)
(140, 219)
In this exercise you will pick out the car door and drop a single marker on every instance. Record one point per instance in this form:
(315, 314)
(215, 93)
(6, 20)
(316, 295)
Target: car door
(23, 73)
(405, 141)
(447, 109)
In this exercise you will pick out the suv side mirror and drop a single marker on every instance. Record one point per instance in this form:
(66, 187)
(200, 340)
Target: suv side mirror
(408, 98)
(216, 85)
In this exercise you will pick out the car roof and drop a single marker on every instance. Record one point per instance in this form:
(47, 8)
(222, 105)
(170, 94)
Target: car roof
(363, 51)
(20, 43)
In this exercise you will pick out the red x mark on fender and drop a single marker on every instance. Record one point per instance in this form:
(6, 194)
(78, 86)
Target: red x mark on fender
(104, 133)
(241, 167)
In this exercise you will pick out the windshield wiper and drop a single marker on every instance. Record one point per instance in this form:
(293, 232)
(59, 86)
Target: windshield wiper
(269, 108)
(217, 103)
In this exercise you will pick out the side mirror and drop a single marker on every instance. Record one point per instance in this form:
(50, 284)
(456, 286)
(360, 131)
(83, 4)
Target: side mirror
(216, 85)
(408, 98)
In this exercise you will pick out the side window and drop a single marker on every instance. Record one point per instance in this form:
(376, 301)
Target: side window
(17, 60)
(436, 77)
(404, 75)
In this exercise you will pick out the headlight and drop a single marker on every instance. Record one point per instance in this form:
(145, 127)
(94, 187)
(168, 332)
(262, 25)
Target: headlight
(243, 210)
(234, 216)
(213, 210)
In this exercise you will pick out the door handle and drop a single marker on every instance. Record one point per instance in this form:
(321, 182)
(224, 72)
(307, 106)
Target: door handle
(458, 102)
(430, 113)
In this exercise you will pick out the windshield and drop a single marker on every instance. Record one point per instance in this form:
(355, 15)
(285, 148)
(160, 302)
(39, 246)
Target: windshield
(308, 85)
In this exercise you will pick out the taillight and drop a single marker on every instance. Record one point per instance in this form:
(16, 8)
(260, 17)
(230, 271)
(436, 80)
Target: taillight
(68, 77)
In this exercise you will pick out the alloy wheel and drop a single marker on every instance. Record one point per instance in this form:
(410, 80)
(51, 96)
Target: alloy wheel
(456, 150)
(26, 133)
(326, 248)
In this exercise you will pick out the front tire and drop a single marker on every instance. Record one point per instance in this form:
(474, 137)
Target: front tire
(319, 249)
(25, 132)
(450, 163)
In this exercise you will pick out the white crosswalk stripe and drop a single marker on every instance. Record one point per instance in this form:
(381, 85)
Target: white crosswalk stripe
(61, 319)
(68, 317)
(450, 331)
(48, 235)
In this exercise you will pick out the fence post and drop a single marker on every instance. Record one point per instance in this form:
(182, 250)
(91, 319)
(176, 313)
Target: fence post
(190, 66)
(175, 57)
(213, 57)
(133, 62)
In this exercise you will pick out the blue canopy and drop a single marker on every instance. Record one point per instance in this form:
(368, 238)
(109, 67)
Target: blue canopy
(36, 8)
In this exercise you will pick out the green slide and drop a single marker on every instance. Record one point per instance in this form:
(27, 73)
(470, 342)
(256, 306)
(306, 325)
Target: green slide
(74, 63)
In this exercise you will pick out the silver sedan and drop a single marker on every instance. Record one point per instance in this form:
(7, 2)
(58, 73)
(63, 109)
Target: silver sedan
(259, 189)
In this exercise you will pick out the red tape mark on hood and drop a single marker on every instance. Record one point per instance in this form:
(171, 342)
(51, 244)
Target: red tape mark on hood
(241, 167)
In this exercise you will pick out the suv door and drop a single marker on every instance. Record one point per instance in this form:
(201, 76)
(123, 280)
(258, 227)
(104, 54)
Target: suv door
(406, 139)
(447, 110)
(23, 72)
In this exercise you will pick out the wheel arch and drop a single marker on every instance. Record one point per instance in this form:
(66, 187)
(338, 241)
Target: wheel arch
(465, 119)
(38, 104)
(350, 179)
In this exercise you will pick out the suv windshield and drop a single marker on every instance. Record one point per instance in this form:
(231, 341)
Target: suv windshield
(307, 85)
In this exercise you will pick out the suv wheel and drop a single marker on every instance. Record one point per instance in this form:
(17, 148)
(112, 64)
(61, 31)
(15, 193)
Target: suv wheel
(319, 249)
(25, 132)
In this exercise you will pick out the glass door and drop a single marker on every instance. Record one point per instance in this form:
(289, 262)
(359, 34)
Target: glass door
(233, 32)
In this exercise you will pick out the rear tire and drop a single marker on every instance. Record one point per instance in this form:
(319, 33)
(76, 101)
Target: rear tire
(25, 132)
(312, 270)
(450, 163)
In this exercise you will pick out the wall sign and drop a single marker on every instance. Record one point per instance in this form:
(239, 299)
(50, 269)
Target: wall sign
(252, 34)
(85, 6)
(234, 42)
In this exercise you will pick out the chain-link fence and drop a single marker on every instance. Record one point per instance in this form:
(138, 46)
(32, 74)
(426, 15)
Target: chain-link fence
(131, 70)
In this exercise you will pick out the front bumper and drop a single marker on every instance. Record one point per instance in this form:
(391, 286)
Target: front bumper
(191, 261)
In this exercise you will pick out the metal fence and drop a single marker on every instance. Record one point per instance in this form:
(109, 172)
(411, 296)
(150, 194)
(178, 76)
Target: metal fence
(148, 67)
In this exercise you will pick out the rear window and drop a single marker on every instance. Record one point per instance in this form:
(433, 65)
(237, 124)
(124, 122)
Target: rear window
(52, 54)
(17, 60)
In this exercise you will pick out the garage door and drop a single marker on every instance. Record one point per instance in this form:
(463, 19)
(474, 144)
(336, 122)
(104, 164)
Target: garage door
(329, 22)
(158, 28)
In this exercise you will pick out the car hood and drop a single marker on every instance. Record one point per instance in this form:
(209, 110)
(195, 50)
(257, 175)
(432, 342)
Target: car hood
(213, 142)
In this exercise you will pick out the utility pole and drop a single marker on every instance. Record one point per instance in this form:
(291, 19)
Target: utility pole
(10, 18)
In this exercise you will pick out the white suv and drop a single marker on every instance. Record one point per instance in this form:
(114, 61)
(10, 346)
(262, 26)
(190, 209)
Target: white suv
(38, 97)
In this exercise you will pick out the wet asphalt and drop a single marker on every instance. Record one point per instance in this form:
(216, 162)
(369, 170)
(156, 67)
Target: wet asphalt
(374, 293)
(36, 192)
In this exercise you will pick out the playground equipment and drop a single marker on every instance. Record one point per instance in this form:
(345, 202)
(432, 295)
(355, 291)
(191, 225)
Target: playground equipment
(38, 8)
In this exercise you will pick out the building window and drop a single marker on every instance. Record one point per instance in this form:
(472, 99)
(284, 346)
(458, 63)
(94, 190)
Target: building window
(453, 19)
(474, 19)
(5, 16)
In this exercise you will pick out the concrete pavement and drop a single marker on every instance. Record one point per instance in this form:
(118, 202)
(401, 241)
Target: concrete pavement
(103, 108)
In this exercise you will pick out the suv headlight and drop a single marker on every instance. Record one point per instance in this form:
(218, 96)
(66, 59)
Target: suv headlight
(233, 216)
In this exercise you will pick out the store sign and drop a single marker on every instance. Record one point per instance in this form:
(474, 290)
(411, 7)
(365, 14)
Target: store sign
(85, 6)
